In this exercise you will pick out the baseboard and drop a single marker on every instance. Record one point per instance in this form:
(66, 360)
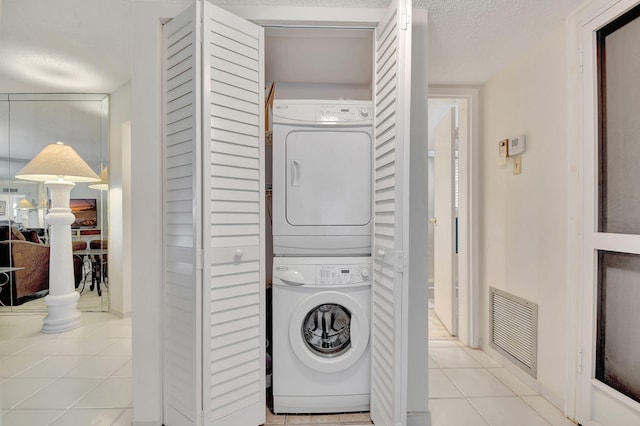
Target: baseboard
(422, 418)
(553, 398)
(121, 315)
(533, 383)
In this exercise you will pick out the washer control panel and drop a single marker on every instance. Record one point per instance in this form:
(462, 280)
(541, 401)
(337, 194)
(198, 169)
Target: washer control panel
(342, 274)
(328, 272)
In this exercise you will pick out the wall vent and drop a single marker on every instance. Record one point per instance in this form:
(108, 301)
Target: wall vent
(513, 329)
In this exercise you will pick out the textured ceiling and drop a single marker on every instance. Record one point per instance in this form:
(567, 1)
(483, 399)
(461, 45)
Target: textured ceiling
(83, 45)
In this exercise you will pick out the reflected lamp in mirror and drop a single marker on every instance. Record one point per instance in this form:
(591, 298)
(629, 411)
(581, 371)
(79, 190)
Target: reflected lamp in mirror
(103, 184)
(24, 206)
(59, 166)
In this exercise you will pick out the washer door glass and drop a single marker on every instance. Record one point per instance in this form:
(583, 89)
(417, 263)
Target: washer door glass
(327, 330)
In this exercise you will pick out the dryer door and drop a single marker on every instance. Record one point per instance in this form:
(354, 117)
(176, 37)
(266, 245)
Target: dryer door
(328, 178)
(329, 331)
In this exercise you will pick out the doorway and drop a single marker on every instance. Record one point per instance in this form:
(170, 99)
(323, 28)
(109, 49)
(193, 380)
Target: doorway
(452, 255)
(443, 215)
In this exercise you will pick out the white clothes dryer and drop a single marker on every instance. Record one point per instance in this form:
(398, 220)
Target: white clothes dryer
(321, 317)
(322, 177)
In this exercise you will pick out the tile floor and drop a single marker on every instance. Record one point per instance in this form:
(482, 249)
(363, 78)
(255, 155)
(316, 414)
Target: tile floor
(469, 388)
(83, 377)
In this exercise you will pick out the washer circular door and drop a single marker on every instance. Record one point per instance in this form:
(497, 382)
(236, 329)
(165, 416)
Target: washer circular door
(329, 331)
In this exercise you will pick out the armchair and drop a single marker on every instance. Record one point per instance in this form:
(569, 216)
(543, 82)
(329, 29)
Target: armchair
(33, 279)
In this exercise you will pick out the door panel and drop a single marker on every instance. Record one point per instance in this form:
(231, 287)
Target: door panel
(214, 220)
(444, 227)
(608, 279)
(182, 279)
(233, 196)
(390, 231)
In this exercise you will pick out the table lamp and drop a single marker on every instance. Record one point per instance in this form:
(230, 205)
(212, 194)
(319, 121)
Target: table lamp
(103, 184)
(24, 206)
(59, 166)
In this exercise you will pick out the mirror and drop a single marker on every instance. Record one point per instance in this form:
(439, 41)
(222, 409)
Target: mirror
(28, 123)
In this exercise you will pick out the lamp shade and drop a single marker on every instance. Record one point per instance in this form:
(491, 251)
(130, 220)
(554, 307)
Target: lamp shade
(25, 204)
(103, 185)
(57, 162)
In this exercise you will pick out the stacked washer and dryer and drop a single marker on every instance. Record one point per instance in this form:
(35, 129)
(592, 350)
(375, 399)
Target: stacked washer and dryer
(322, 246)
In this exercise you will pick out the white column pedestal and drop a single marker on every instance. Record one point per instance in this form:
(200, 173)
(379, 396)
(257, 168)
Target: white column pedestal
(24, 217)
(62, 300)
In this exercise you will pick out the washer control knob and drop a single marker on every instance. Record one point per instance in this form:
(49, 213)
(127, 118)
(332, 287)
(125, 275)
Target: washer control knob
(364, 272)
(364, 112)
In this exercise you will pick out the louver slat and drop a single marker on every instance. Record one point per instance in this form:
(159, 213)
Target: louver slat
(514, 329)
(181, 320)
(234, 387)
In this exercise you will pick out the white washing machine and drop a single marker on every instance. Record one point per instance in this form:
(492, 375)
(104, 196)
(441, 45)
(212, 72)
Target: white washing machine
(322, 178)
(321, 317)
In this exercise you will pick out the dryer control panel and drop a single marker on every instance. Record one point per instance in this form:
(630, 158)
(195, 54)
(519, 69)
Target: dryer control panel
(322, 112)
(342, 274)
(342, 113)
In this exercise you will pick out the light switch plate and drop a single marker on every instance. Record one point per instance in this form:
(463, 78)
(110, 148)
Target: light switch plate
(517, 164)
(502, 152)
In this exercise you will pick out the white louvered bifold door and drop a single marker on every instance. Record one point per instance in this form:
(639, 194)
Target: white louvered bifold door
(181, 216)
(390, 230)
(233, 197)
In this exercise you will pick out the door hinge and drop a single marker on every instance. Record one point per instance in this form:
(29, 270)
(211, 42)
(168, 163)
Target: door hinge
(401, 261)
(580, 60)
(579, 366)
(199, 259)
(405, 20)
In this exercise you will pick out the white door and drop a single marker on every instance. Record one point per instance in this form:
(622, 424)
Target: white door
(444, 276)
(182, 221)
(214, 289)
(608, 378)
(233, 231)
(390, 216)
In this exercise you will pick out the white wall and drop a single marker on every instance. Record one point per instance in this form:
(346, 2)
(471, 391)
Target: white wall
(119, 282)
(146, 203)
(523, 218)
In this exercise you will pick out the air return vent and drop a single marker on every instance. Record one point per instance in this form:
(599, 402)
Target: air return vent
(513, 324)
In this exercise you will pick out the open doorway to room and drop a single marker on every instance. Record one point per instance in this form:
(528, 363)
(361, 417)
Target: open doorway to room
(451, 256)
(443, 216)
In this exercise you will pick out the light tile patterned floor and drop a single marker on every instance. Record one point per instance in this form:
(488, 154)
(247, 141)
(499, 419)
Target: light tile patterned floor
(469, 388)
(83, 377)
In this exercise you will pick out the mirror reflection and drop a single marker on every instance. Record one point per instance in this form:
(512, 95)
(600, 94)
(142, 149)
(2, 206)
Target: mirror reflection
(28, 123)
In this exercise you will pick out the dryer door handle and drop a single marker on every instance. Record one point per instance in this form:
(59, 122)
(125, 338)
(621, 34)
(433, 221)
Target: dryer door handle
(295, 173)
